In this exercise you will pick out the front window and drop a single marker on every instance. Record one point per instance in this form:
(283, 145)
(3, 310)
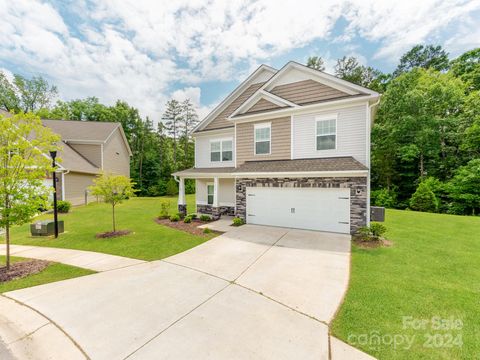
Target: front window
(326, 134)
(221, 150)
(210, 194)
(262, 139)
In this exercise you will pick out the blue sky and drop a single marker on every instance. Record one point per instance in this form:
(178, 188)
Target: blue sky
(146, 52)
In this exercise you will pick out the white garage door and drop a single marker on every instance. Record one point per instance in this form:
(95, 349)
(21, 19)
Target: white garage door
(302, 208)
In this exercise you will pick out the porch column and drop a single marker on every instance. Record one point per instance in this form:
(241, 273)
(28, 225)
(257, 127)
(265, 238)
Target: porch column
(215, 205)
(182, 205)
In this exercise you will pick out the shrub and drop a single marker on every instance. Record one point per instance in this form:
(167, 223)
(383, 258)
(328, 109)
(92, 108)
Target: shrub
(384, 197)
(377, 229)
(193, 216)
(63, 206)
(180, 215)
(174, 218)
(204, 217)
(238, 221)
(371, 233)
(207, 231)
(189, 186)
(164, 210)
(187, 220)
(424, 199)
(172, 188)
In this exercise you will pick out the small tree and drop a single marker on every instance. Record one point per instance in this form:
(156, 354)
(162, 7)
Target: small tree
(24, 149)
(172, 188)
(464, 188)
(424, 199)
(113, 189)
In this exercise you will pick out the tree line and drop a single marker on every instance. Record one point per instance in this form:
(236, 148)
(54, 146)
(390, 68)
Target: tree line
(425, 139)
(426, 135)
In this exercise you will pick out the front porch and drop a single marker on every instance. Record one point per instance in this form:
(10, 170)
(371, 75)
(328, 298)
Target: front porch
(214, 191)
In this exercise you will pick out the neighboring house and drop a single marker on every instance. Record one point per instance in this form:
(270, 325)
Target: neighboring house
(286, 148)
(87, 149)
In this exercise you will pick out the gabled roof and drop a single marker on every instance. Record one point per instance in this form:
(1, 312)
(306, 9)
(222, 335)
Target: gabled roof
(87, 132)
(259, 76)
(327, 87)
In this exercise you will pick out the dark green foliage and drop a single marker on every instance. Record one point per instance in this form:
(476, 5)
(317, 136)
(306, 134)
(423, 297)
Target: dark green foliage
(172, 188)
(371, 233)
(424, 199)
(464, 189)
(205, 217)
(377, 230)
(193, 216)
(423, 56)
(316, 62)
(385, 198)
(63, 206)
(467, 68)
(175, 218)
(238, 221)
(187, 219)
(189, 186)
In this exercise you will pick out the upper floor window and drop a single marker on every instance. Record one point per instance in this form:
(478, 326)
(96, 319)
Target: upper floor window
(326, 134)
(262, 138)
(221, 150)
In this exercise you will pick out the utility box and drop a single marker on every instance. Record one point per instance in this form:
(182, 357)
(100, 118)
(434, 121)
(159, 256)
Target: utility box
(45, 228)
(377, 213)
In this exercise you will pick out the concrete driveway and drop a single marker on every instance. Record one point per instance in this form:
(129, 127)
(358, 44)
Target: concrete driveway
(253, 293)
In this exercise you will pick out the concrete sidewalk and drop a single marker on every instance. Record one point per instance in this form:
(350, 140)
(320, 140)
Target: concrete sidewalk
(85, 259)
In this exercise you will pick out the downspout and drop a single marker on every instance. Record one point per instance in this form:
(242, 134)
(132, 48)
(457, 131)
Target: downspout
(63, 183)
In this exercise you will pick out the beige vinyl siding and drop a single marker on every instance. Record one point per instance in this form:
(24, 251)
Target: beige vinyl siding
(306, 91)
(262, 105)
(202, 149)
(75, 186)
(351, 132)
(91, 152)
(280, 141)
(221, 120)
(115, 155)
(226, 191)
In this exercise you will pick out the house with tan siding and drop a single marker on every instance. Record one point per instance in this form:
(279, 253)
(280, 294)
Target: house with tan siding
(88, 148)
(288, 147)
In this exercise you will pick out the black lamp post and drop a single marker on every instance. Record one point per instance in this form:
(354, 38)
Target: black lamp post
(53, 154)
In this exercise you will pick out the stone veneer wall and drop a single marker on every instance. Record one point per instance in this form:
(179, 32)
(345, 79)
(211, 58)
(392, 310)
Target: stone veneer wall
(357, 185)
(210, 210)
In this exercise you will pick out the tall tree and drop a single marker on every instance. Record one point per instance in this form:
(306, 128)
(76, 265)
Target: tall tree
(24, 149)
(423, 56)
(189, 120)
(467, 68)
(34, 93)
(172, 118)
(8, 98)
(348, 68)
(316, 62)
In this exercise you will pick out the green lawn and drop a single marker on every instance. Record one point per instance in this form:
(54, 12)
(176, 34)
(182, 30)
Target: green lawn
(433, 269)
(149, 241)
(53, 272)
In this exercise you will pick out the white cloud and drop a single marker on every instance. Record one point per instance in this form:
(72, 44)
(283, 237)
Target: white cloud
(137, 49)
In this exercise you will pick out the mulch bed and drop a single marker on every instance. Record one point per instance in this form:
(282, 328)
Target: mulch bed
(112, 234)
(22, 269)
(372, 244)
(187, 227)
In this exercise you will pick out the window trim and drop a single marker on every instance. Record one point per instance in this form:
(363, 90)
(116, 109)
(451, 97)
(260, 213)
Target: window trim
(213, 195)
(220, 140)
(324, 118)
(262, 126)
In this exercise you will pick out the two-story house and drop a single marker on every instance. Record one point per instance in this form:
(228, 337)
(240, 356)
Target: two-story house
(87, 149)
(288, 147)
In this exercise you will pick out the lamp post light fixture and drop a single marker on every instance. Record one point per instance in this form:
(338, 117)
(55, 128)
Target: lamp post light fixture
(53, 155)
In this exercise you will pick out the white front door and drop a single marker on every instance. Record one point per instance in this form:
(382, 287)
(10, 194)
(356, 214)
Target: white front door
(323, 209)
